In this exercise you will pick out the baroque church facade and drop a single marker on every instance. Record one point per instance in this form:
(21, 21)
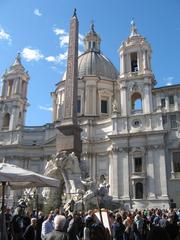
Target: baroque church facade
(130, 128)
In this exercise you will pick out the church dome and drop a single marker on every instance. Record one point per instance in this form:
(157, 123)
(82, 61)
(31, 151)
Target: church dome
(92, 62)
(96, 64)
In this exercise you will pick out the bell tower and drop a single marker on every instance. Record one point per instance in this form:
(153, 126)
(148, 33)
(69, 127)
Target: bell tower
(135, 54)
(13, 100)
(136, 76)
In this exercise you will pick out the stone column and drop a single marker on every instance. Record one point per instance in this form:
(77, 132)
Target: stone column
(114, 123)
(16, 86)
(139, 61)
(128, 63)
(4, 84)
(55, 116)
(150, 173)
(158, 103)
(122, 63)
(172, 169)
(146, 60)
(90, 101)
(124, 164)
(176, 103)
(123, 101)
(13, 119)
(167, 103)
(114, 180)
(160, 154)
(147, 103)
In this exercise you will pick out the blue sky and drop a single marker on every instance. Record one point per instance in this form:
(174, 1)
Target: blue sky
(39, 30)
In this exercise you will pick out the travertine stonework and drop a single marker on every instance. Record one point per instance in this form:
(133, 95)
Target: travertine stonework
(130, 129)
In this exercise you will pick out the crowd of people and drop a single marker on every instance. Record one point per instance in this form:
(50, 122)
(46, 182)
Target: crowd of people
(149, 224)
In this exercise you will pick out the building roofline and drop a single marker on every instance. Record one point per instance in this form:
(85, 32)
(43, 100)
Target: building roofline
(166, 87)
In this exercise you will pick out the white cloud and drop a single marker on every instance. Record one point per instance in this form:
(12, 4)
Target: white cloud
(45, 108)
(64, 37)
(80, 52)
(64, 40)
(37, 12)
(62, 56)
(5, 36)
(57, 59)
(169, 84)
(51, 59)
(81, 39)
(168, 81)
(30, 54)
(59, 31)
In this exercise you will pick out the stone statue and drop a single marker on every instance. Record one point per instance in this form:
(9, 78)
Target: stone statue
(82, 193)
(114, 106)
(103, 187)
(65, 167)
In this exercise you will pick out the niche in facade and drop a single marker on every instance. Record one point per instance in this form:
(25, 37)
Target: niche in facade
(6, 120)
(139, 190)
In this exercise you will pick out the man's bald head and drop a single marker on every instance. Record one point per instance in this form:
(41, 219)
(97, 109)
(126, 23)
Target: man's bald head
(59, 222)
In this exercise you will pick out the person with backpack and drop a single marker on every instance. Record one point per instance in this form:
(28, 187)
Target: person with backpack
(118, 228)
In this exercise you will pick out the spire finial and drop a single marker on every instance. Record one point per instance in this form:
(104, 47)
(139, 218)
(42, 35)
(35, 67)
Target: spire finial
(18, 59)
(134, 31)
(92, 26)
(74, 13)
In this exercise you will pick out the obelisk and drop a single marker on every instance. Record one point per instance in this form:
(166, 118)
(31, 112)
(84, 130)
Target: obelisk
(69, 138)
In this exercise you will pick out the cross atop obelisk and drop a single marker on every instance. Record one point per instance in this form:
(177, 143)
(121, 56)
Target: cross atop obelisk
(69, 139)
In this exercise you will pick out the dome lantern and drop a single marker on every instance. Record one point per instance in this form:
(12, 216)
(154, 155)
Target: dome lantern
(92, 40)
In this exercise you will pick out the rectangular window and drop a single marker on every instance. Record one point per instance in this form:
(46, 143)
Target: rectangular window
(138, 164)
(163, 102)
(78, 105)
(171, 99)
(164, 120)
(104, 106)
(176, 161)
(173, 121)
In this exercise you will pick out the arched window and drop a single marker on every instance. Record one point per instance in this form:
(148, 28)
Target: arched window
(10, 87)
(139, 190)
(136, 102)
(6, 120)
(134, 62)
